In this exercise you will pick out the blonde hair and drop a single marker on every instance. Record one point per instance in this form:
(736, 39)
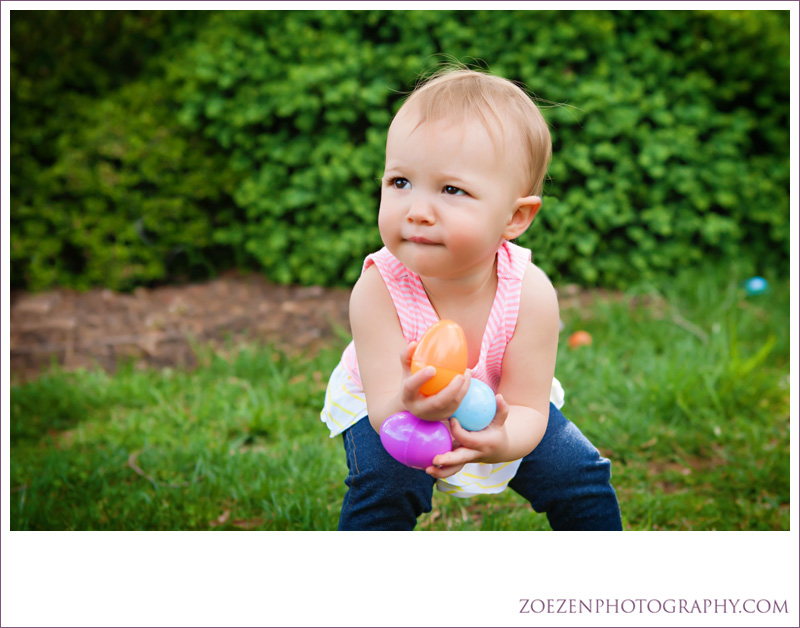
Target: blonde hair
(502, 106)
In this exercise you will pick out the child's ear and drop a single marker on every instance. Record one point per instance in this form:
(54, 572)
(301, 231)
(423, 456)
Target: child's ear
(521, 219)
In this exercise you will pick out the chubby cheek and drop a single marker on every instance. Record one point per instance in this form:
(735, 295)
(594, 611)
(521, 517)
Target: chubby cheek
(470, 238)
(386, 224)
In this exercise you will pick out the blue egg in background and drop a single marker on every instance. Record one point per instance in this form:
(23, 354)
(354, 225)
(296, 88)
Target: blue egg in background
(755, 286)
(478, 407)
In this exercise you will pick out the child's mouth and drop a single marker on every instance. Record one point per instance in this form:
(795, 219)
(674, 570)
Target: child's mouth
(420, 240)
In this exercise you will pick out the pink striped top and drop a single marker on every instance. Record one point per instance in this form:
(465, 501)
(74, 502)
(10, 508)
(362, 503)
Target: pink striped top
(416, 313)
(345, 402)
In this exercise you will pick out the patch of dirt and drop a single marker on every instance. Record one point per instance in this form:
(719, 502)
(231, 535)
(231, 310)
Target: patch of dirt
(156, 327)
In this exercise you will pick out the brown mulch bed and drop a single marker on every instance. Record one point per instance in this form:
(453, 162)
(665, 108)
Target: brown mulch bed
(157, 327)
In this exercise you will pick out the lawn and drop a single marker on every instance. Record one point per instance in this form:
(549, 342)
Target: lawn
(685, 388)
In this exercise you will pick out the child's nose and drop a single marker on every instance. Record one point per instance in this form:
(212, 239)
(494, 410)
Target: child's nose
(421, 210)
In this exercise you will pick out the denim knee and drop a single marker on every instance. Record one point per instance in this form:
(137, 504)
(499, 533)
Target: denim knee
(567, 478)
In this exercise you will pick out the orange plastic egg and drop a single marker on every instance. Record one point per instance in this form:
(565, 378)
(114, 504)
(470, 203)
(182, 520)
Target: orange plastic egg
(579, 339)
(443, 346)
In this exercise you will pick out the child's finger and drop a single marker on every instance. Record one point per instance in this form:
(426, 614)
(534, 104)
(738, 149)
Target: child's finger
(412, 383)
(445, 402)
(467, 439)
(405, 357)
(457, 432)
(457, 388)
(465, 386)
(502, 411)
(459, 456)
(443, 472)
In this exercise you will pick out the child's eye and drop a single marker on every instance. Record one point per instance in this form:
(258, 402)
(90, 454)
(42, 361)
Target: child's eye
(399, 182)
(453, 190)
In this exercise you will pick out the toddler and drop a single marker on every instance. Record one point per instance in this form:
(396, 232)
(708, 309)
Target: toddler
(466, 158)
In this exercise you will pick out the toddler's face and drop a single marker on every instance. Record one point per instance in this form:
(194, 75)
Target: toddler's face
(446, 197)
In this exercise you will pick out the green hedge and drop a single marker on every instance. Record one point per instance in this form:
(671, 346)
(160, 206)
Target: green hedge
(152, 146)
(106, 188)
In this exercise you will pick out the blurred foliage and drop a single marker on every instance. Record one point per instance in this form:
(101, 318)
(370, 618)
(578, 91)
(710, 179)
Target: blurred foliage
(151, 146)
(106, 188)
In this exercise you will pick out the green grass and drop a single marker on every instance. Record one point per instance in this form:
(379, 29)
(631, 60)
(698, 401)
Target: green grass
(685, 388)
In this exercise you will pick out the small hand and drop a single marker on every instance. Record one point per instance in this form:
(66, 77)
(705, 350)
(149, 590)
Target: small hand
(438, 407)
(485, 445)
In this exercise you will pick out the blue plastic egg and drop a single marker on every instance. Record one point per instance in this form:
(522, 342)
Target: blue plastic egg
(478, 407)
(756, 285)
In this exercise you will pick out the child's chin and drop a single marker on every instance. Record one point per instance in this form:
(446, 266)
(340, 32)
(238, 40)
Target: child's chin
(426, 268)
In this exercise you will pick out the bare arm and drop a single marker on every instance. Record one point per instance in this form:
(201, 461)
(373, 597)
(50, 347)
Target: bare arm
(378, 340)
(529, 364)
(384, 359)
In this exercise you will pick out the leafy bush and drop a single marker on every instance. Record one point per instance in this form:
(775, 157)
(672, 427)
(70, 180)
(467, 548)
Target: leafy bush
(264, 141)
(106, 189)
(676, 148)
(305, 125)
(128, 200)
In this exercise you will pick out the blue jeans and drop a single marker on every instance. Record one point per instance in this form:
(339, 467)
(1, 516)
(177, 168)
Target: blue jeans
(564, 477)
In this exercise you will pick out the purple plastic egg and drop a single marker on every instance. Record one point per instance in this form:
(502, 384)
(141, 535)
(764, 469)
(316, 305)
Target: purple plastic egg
(414, 442)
